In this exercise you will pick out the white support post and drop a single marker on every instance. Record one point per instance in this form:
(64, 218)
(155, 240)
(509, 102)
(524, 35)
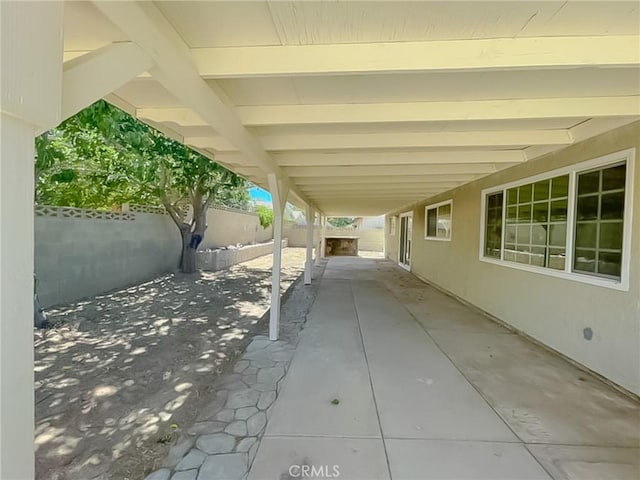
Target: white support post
(31, 92)
(309, 263)
(279, 191)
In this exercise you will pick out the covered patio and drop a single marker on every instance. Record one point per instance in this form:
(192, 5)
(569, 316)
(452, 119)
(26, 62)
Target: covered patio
(450, 118)
(395, 379)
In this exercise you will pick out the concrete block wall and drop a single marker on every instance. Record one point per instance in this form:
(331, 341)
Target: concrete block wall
(82, 253)
(370, 239)
(227, 227)
(80, 257)
(218, 259)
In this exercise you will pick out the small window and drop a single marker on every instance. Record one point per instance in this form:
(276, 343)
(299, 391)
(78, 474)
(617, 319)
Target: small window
(438, 219)
(493, 230)
(393, 224)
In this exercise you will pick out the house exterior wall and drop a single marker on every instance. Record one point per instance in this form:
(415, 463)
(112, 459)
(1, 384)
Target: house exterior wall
(554, 311)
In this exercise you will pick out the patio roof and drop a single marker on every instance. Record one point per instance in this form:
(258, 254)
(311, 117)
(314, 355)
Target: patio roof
(361, 107)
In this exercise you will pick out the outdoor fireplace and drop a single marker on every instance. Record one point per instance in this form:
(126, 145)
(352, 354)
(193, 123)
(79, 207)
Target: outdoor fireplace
(343, 245)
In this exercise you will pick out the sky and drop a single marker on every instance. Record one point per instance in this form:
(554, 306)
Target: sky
(260, 195)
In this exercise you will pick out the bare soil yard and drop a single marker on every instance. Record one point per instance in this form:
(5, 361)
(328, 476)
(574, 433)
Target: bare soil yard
(120, 375)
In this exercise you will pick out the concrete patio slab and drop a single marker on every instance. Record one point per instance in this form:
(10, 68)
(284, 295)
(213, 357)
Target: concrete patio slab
(542, 397)
(569, 462)
(282, 458)
(419, 392)
(455, 460)
(327, 390)
(440, 392)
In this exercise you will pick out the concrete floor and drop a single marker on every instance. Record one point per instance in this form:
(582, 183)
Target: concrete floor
(393, 379)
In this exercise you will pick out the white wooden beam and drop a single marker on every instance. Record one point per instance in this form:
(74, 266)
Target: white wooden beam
(443, 111)
(424, 56)
(399, 177)
(299, 159)
(512, 109)
(301, 142)
(390, 170)
(381, 186)
(146, 26)
(92, 76)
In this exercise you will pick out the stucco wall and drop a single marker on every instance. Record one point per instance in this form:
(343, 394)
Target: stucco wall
(552, 310)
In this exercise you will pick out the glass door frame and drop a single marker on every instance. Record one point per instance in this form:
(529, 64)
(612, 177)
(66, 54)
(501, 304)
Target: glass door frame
(402, 236)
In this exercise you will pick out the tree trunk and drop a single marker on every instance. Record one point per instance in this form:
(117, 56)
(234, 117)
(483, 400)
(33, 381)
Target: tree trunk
(188, 258)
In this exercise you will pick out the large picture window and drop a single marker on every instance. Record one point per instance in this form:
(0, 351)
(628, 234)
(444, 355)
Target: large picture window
(438, 221)
(573, 222)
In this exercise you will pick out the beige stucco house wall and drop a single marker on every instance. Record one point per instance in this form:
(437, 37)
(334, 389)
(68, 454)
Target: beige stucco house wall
(554, 311)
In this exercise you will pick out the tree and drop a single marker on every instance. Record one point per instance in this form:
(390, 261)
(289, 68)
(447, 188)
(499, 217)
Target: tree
(341, 222)
(266, 215)
(102, 156)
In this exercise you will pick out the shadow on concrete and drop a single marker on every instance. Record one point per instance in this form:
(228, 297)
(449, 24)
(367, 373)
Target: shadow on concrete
(120, 374)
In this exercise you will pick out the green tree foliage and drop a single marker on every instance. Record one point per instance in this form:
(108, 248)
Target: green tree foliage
(340, 222)
(266, 216)
(103, 157)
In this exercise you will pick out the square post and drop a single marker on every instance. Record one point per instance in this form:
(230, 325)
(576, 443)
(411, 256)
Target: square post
(31, 95)
(279, 191)
(309, 263)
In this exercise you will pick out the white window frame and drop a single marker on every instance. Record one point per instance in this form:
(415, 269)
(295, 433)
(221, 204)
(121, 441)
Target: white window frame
(436, 206)
(627, 156)
(393, 225)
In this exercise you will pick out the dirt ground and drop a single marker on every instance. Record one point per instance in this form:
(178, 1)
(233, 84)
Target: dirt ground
(121, 374)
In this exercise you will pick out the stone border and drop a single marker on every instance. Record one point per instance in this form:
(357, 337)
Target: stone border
(225, 438)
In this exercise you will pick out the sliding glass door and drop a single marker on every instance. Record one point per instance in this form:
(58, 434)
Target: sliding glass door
(404, 252)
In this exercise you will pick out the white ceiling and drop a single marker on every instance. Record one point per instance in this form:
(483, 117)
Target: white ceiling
(420, 138)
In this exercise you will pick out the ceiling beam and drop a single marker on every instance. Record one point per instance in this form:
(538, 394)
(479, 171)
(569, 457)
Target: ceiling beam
(301, 142)
(407, 158)
(423, 56)
(379, 187)
(367, 179)
(146, 26)
(390, 170)
(90, 77)
(445, 111)
(442, 111)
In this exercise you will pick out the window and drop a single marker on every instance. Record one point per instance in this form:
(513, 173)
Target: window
(600, 221)
(438, 221)
(393, 221)
(536, 223)
(493, 230)
(573, 223)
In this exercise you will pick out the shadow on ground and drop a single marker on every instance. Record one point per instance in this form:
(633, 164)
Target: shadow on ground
(120, 374)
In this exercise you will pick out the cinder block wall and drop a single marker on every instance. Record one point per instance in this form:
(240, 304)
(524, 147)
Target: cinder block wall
(370, 239)
(232, 227)
(80, 257)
